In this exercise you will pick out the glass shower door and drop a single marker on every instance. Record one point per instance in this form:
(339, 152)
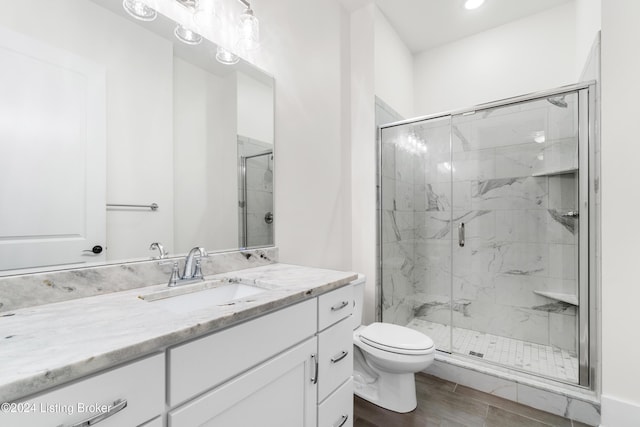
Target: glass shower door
(257, 199)
(515, 258)
(415, 221)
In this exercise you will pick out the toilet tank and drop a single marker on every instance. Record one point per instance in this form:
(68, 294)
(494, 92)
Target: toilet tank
(358, 299)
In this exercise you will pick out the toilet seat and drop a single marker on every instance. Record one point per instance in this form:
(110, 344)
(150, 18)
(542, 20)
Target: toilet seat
(396, 339)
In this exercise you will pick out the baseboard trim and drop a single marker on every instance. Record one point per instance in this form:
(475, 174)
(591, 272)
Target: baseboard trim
(618, 412)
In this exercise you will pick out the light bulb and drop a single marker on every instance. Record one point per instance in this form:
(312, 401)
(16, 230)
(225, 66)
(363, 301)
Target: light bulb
(225, 57)
(473, 4)
(139, 10)
(248, 31)
(205, 13)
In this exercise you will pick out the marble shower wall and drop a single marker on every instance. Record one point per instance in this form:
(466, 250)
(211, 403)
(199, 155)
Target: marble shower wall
(499, 182)
(259, 193)
(509, 175)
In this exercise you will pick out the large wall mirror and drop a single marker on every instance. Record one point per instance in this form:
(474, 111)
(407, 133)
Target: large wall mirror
(98, 110)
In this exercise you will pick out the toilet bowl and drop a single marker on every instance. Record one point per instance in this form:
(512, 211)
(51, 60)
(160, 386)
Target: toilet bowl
(386, 357)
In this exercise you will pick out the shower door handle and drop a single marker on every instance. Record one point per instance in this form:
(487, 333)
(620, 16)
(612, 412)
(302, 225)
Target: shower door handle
(461, 234)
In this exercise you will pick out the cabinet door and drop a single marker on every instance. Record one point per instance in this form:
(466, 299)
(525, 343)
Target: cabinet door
(125, 396)
(279, 393)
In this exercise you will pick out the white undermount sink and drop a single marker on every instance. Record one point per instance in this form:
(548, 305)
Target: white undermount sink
(201, 295)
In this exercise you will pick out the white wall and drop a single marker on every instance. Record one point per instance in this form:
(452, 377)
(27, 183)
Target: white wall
(363, 152)
(393, 67)
(620, 154)
(205, 159)
(524, 56)
(303, 47)
(255, 109)
(588, 23)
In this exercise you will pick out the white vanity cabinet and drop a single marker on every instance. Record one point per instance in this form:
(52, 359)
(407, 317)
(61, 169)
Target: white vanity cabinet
(335, 358)
(278, 393)
(130, 395)
(290, 368)
(261, 372)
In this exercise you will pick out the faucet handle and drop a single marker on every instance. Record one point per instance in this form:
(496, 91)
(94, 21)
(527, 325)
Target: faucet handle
(175, 275)
(197, 274)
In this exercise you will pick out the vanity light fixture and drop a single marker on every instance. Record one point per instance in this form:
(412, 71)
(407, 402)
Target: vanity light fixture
(249, 29)
(225, 57)
(205, 13)
(473, 4)
(139, 10)
(185, 35)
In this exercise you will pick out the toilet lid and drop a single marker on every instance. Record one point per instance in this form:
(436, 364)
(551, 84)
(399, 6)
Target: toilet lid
(386, 336)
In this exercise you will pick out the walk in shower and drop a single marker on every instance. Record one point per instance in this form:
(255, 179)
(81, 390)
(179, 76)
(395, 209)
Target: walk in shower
(255, 198)
(485, 231)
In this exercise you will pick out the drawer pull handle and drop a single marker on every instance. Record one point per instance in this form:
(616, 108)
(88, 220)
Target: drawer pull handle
(343, 419)
(314, 360)
(342, 355)
(340, 306)
(116, 407)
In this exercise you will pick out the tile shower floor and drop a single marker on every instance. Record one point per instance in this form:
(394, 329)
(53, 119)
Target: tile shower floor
(535, 358)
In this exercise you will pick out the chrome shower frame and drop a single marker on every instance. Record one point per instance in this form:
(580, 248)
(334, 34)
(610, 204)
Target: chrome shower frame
(243, 202)
(587, 268)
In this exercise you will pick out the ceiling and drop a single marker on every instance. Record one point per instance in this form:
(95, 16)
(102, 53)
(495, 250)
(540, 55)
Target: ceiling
(424, 24)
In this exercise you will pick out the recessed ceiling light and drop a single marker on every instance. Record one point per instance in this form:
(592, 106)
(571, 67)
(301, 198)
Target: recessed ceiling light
(473, 4)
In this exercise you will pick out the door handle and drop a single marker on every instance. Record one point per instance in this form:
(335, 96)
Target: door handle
(461, 234)
(97, 249)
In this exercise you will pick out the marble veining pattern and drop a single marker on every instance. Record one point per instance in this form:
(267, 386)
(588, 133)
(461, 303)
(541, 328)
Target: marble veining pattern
(501, 184)
(56, 286)
(47, 345)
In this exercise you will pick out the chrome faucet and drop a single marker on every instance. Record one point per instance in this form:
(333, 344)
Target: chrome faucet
(189, 271)
(192, 269)
(160, 248)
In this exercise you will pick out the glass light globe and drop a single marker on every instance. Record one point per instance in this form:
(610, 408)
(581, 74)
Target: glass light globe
(205, 14)
(248, 31)
(187, 36)
(139, 10)
(225, 57)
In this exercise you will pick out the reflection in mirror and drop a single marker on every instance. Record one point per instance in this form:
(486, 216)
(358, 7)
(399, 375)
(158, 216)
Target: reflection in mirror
(99, 110)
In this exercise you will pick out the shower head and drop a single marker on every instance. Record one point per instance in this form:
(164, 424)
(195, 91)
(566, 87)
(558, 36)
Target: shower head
(558, 101)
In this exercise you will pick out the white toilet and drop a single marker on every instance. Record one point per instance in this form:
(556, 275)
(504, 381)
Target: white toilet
(385, 359)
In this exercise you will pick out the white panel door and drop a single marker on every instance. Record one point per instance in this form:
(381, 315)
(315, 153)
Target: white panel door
(52, 155)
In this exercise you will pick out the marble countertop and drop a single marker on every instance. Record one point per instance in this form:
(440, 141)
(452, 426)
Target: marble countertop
(48, 345)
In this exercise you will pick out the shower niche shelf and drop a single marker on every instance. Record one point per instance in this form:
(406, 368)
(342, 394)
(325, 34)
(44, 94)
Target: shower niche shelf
(556, 172)
(558, 296)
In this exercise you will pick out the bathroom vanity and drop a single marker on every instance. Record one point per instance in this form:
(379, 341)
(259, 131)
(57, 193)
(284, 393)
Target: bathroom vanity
(279, 357)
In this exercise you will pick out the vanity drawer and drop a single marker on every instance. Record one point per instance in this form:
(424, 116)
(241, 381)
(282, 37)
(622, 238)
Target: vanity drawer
(334, 306)
(335, 357)
(337, 410)
(207, 362)
(138, 387)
